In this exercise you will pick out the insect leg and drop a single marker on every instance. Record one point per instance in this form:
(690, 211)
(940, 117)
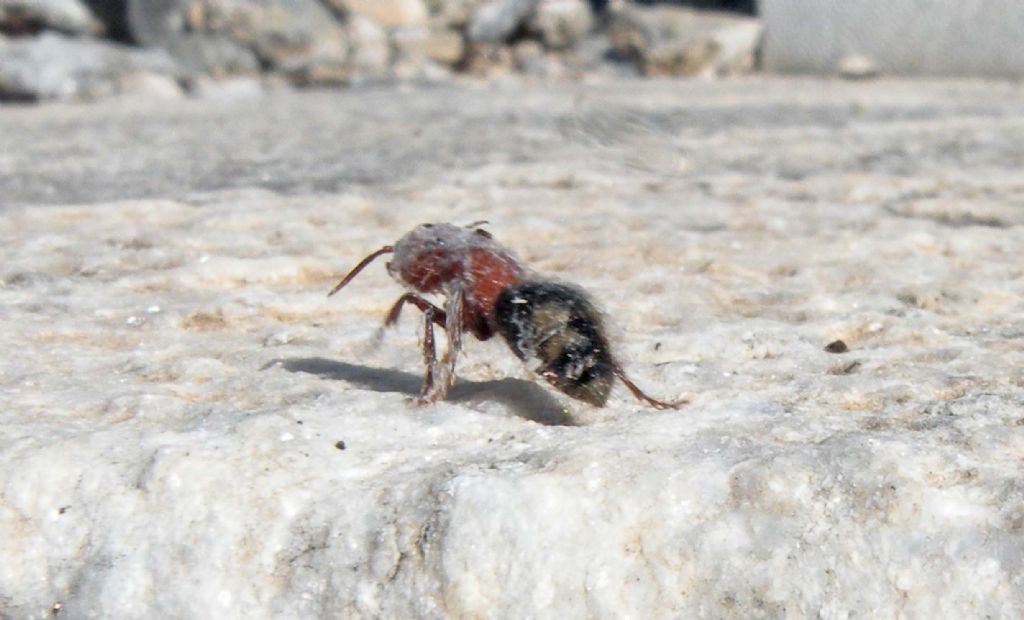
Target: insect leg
(453, 325)
(445, 376)
(396, 310)
(424, 306)
(429, 352)
(641, 396)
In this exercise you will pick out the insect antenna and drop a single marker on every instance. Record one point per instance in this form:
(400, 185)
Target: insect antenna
(640, 395)
(480, 231)
(362, 264)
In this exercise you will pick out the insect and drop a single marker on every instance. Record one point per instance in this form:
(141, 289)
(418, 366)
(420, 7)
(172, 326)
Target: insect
(487, 292)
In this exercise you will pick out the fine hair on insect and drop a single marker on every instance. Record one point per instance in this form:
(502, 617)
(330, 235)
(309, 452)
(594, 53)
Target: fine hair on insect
(487, 291)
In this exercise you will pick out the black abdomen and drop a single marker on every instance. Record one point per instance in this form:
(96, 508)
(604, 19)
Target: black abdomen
(560, 326)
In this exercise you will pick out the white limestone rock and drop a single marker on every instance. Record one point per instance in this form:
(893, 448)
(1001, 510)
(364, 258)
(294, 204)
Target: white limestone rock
(190, 428)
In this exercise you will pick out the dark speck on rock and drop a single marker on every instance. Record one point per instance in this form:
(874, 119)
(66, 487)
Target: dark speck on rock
(837, 346)
(340, 445)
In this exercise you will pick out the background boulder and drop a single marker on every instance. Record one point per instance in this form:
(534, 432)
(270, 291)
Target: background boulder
(56, 66)
(669, 40)
(28, 16)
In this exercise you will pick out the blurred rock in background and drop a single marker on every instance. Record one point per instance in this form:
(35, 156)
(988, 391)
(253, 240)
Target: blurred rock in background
(32, 16)
(84, 49)
(671, 40)
(57, 66)
(298, 38)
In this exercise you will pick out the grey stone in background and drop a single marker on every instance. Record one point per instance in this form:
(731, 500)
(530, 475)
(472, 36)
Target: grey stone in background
(55, 66)
(543, 38)
(398, 39)
(71, 16)
(387, 13)
(857, 67)
(906, 37)
(739, 6)
(156, 22)
(340, 42)
(494, 21)
(298, 37)
(444, 45)
(669, 40)
(206, 53)
(529, 58)
(561, 24)
(455, 13)
(370, 50)
(408, 48)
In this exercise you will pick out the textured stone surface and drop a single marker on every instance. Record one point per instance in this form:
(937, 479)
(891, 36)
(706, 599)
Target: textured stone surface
(191, 428)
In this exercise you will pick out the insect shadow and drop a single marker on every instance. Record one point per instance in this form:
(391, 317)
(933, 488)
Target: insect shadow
(526, 399)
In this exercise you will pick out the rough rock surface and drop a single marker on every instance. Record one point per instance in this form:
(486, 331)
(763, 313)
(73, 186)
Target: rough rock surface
(190, 428)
